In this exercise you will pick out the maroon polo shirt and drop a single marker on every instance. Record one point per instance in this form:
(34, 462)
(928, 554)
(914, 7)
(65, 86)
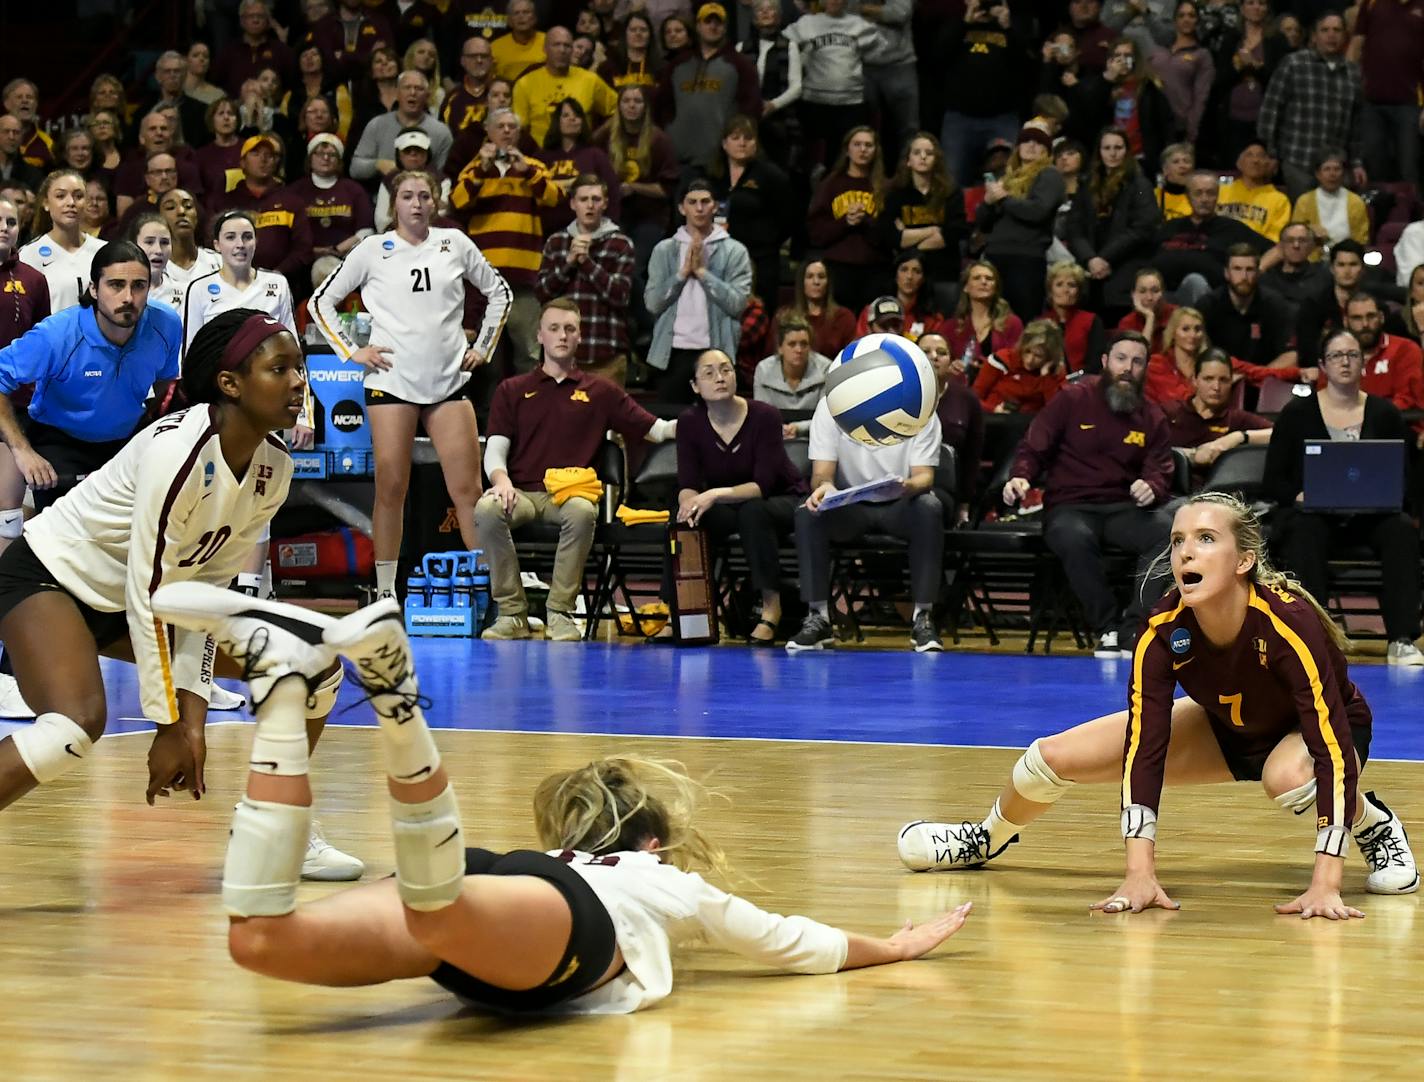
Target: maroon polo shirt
(24, 298)
(552, 424)
(284, 234)
(1190, 429)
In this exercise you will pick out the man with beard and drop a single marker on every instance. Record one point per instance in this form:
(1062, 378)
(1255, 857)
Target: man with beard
(96, 362)
(1249, 323)
(1394, 367)
(1106, 454)
(1206, 424)
(1325, 310)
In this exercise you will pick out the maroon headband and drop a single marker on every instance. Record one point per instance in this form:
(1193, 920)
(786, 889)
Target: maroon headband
(254, 331)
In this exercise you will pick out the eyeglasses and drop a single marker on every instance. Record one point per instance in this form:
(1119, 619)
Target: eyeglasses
(1345, 355)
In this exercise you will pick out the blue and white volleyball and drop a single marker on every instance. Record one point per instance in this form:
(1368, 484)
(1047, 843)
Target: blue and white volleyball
(881, 390)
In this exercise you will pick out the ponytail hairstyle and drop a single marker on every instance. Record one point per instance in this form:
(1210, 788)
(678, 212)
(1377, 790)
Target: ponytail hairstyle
(616, 804)
(203, 361)
(1246, 529)
(42, 222)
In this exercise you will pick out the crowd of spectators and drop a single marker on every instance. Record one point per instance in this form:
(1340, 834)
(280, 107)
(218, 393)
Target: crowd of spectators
(1024, 188)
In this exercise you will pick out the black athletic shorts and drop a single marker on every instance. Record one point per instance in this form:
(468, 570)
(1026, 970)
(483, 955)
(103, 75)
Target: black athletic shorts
(585, 959)
(385, 398)
(1247, 766)
(72, 458)
(22, 575)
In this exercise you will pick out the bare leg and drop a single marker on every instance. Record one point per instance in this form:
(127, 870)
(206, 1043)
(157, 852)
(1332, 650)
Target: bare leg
(392, 436)
(456, 437)
(12, 488)
(57, 667)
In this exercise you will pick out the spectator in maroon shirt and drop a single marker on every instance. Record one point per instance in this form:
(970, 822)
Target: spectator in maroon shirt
(734, 477)
(155, 136)
(1106, 455)
(1206, 424)
(465, 105)
(337, 209)
(259, 48)
(1389, 45)
(346, 38)
(551, 418)
(961, 420)
(568, 152)
(160, 175)
(26, 296)
(284, 238)
(1093, 39)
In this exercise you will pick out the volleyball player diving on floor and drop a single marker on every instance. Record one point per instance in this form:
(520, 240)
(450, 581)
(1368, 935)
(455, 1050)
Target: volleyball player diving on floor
(184, 500)
(582, 929)
(1269, 700)
(412, 281)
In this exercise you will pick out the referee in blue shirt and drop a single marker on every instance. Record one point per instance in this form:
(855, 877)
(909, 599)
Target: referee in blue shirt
(93, 367)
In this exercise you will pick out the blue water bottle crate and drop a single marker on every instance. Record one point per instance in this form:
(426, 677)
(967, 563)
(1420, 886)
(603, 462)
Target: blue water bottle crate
(447, 595)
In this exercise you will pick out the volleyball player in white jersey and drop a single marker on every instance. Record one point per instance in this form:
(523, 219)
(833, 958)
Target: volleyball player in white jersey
(585, 928)
(412, 281)
(61, 251)
(152, 234)
(189, 259)
(184, 501)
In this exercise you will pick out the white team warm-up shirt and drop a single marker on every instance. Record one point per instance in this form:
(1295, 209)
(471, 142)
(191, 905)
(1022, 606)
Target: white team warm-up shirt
(416, 296)
(210, 295)
(165, 509)
(68, 273)
(653, 904)
(174, 287)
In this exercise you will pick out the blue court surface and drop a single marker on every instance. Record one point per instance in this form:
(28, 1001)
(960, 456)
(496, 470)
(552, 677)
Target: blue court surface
(859, 696)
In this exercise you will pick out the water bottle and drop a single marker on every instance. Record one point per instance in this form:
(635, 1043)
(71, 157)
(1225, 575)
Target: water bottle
(970, 361)
(463, 584)
(480, 586)
(437, 569)
(416, 587)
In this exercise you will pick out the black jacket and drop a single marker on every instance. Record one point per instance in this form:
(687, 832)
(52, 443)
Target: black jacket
(1125, 237)
(1301, 421)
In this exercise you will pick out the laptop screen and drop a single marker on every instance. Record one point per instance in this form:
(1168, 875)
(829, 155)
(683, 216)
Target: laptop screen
(1354, 475)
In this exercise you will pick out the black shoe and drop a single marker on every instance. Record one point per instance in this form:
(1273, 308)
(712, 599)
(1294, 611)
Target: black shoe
(924, 636)
(815, 634)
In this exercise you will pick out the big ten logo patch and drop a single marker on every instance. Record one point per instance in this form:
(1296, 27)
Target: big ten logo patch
(1136, 438)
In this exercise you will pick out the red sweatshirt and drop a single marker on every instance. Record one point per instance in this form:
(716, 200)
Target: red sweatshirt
(1004, 381)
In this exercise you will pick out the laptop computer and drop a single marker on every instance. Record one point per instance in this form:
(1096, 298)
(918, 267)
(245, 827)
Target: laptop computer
(1354, 476)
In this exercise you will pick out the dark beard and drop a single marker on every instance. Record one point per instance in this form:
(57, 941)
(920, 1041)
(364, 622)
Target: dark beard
(1123, 395)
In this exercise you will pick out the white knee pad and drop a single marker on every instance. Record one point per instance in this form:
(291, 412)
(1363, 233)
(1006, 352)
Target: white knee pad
(323, 697)
(52, 746)
(430, 851)
(1300, 799)
(1035, 780)
(264, 858)
(12, 523)
(279, 744)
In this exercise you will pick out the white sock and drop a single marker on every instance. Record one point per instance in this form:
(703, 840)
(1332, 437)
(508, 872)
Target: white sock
(265, 589)
(249, 582)
(821, 609)
(411, 754)
(1000, 829)
(919, 609)
(385, 576)
(1370, 815)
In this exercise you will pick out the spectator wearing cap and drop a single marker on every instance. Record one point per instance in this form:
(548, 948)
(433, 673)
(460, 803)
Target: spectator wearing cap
(1017, 217)
(1333, 212)
(412, 150)
(155, 136)
(699, 280)
(1389, 45)
(1251, 198)
(539, 94)
(21, 99)
(337, 209)
(465, 105)
(1025, 377)
(375, 154)
(1314, 100)
(284, 238)
(981, 54)
(591, 262)
(259, 47)
(883, 315)
(700, 90)
(793, 378)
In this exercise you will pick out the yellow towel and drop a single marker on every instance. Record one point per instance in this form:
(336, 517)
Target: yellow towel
(566, 482)
(634, 516)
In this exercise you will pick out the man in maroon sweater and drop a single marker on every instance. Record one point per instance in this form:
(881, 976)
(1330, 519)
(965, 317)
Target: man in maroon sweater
(1107, 456)
(284, 233)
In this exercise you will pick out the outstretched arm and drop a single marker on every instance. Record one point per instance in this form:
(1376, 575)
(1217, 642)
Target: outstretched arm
(910, 942)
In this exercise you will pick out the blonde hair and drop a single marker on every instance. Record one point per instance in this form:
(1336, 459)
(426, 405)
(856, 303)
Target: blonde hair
(999, 310)
(1020, 175)
(1174, 323)
(1045, 335)
(1066, 268)
(616, 804)
(1249, 537)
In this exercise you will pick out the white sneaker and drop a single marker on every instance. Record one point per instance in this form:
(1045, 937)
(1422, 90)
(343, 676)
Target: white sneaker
(269, 639)
(1385, 847)
(223, 699)
(946, 846)
(1404, 652)
(1107, 647)
(12, 703)
(325, 863)
(373, 639)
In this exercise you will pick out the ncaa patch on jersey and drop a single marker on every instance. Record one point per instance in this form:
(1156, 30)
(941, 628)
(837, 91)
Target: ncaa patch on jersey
(208, 471)
(214, 288)
(388, 245)
(1181, 641)
(46, 251)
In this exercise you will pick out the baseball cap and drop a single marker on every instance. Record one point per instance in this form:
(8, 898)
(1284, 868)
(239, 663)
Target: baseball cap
(410, 140)
(711, 11)
(253, 142)
(884, 307)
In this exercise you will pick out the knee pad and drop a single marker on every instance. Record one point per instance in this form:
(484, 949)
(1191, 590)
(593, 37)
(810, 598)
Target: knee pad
(264, 858)
(12, 523)
(52, 746)
(323, 696)
(1035, 780)
(1299, 800)
(430, 851)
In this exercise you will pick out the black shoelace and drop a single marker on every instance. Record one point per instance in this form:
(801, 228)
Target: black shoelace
(973, 842)
(1383, 849)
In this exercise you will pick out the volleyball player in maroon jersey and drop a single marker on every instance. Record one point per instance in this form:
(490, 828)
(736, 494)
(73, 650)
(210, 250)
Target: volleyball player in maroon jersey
(1270, 699)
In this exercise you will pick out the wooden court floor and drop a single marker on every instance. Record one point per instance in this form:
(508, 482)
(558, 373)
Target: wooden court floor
(112, 959)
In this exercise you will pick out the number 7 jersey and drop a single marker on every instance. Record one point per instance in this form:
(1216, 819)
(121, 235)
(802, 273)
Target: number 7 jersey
(167, 508)
(416, 296)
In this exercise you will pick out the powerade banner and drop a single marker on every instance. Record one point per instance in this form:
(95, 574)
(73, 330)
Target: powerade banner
(337, 387)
